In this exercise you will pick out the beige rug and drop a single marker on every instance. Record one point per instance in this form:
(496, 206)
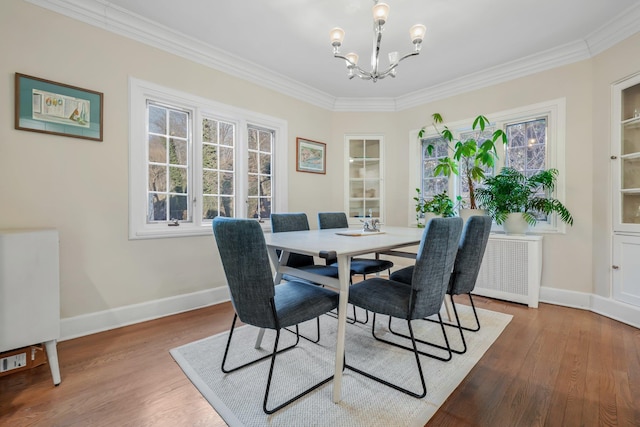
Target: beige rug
(238, 396)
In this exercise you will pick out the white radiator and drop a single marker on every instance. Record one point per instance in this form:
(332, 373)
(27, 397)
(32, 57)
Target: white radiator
(511, 269)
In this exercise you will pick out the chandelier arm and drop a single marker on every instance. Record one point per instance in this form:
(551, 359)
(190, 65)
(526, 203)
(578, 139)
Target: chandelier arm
(365, 75)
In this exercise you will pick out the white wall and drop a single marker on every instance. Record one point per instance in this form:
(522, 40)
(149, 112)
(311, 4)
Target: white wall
(80, 187)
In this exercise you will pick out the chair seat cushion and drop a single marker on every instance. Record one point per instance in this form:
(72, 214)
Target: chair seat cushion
(367, 266)
(403, 275)
(382, 296)
(323, 270)
(298, 302)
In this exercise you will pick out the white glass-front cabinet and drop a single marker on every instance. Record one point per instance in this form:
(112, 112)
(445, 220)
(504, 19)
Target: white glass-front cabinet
(364, 186)
(625, 156)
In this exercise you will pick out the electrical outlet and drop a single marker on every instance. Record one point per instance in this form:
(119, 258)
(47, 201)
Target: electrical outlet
(13, 362)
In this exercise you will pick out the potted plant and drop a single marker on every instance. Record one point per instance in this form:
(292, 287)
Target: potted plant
(470, 157)
(439, 205)
(510, 196)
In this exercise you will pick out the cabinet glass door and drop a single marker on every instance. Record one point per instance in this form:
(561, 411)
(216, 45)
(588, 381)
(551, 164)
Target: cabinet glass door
(364, 186)
(626, 154)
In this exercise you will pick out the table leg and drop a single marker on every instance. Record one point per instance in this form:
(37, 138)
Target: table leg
(52, 355)
(344, 272)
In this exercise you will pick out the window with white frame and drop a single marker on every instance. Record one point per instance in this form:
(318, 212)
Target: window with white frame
(535, 141)
(193, 159)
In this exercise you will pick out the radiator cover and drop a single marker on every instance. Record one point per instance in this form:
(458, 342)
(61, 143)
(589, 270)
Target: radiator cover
(511, 269)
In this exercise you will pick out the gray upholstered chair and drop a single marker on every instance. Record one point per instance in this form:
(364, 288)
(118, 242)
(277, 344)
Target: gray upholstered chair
(473, 243)
(283, 222)
(423, 298)
(256, 300)
(361, 266)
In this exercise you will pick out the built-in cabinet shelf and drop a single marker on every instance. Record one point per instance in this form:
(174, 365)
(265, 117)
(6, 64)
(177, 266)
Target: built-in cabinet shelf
(625, 157)
(364, 189)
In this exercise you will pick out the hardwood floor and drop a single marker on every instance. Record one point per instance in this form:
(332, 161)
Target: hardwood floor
(552, 366)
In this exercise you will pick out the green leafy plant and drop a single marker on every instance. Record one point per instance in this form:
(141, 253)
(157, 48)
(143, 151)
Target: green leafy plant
(470, 157)
(440, 204)
(511, 191)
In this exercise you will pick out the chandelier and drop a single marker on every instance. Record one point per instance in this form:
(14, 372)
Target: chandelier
(380, 14)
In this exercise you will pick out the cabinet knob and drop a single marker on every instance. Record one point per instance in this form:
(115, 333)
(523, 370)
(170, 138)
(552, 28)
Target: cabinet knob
(615, 267)
(614, 157)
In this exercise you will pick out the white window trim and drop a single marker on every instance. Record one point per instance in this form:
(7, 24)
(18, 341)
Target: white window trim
(139, 92)
(554, 109)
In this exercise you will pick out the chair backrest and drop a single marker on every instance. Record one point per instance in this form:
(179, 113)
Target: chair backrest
(470, 252)
(434, 264)
(281, 222)
(332, 220)
(246, 264)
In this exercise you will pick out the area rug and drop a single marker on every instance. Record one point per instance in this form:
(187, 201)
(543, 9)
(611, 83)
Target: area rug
(238, 396)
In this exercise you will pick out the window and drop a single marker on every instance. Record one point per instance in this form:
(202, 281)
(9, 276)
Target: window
(535, 136)
(192, 159)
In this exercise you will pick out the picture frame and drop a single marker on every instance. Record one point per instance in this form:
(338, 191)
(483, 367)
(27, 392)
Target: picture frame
(311, 156)
(56, 108)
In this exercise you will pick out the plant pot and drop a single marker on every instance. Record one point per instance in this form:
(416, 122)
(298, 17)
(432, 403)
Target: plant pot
(466, 213)
(422, 222)
(515, 224)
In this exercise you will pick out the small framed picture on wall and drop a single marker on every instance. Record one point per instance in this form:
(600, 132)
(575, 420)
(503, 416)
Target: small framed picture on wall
(311, 156)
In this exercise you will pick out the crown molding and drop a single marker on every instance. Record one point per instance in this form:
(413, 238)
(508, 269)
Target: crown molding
(103, 14)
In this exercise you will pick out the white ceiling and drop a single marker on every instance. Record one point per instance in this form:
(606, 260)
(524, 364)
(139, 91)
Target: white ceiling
(284, 44)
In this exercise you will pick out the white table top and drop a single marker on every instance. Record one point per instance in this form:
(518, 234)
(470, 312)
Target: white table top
(312, 242)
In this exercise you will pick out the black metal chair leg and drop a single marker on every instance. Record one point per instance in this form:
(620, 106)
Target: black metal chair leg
(475, 314)
(293, 399)
(226, 350)
(447, 348)
(317, 340)
(387, 383)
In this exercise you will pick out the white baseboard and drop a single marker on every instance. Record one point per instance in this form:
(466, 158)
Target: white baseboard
(608, 307)
(86, 324)
(91, 323)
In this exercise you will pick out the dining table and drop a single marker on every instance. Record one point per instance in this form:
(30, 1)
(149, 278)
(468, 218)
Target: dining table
(342, 244)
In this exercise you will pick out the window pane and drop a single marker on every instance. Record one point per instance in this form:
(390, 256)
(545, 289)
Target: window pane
(178, 180)
(210, 131)
(253, 186)
(177, 152)
(226, 183)
(265, 207)
(178, 123)
(178, 208)
(226, 206)
(265, 185)
(157, 178)
(210, 156)
(157, 120)
(226, 133)
(210, 182)
(253, 139)
(253, 161)
(265, 164)
(265, 141)
(226, 159)
(252, 207)
(210, 207)
(157, 149)
(157, 210)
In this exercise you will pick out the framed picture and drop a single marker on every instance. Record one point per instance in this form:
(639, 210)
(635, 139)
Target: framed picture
(57, 108)
(310, 156)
